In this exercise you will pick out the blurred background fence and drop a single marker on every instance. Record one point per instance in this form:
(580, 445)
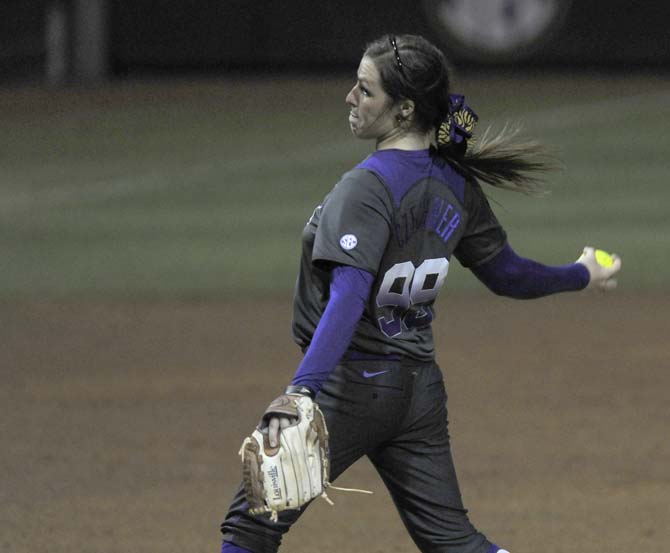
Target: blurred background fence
(87, 39)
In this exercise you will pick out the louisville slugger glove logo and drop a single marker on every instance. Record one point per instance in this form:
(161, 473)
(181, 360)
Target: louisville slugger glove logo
(273, 473)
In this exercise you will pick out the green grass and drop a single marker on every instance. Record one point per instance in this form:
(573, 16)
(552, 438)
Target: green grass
(202, 189)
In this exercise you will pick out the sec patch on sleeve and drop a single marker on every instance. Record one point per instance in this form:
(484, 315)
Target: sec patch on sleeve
(348, 242)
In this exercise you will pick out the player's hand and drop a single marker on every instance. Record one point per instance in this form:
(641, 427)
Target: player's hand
(275, 425)
(279, 414)
(601, 277)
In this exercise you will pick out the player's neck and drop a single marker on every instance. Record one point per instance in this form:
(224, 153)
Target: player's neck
(405, 141)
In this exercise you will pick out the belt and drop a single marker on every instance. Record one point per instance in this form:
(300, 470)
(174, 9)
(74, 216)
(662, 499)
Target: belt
(354, 355)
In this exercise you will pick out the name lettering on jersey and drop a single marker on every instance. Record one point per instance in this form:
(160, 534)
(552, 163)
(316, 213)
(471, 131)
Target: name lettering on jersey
(443, 218)
(436, 214)
(410, 221)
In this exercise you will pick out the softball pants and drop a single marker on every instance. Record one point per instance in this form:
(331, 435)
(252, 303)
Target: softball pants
(395, 413)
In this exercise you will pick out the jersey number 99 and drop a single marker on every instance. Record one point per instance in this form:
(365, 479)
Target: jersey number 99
(406, 290)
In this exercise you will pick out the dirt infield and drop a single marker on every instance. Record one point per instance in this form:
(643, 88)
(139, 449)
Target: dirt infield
(121, 421)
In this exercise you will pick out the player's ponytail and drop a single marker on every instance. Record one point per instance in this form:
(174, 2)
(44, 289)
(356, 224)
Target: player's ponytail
(411, 67)
(502, 160)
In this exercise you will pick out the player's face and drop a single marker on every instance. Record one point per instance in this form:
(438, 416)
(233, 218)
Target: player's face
(372, 114)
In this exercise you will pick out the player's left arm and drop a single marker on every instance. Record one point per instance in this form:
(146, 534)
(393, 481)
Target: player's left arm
(349, 290)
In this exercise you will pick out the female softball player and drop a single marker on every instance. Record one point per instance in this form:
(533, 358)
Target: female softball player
(375, 255)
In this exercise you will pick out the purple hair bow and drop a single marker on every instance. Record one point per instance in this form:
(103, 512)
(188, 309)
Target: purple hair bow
(459, 123)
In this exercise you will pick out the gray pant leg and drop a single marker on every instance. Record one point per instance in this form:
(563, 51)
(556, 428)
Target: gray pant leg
(418, 470)
(399, 419)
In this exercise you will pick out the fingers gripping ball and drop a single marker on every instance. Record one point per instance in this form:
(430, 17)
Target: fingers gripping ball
(297, 470)
(603, 258)
(602, 266)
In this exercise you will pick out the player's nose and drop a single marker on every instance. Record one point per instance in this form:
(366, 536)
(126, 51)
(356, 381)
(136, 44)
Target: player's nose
(351, 97)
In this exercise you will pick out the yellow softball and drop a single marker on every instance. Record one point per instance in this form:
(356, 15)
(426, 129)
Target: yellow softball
(604, 259)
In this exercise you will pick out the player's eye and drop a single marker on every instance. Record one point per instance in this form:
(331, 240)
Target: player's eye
(364, 90)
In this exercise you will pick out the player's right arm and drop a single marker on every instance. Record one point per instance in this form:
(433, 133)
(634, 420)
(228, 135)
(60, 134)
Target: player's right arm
(485, 250)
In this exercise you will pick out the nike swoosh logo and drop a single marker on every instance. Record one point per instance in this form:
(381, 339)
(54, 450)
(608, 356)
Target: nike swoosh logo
(367, 374)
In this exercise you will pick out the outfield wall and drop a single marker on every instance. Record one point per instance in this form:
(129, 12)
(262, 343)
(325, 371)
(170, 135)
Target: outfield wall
(307, 33)
(222, 34)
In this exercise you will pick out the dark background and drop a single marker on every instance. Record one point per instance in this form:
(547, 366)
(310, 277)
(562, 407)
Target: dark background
(180, 35)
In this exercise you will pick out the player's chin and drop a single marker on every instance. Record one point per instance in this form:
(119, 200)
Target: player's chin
(357, 131)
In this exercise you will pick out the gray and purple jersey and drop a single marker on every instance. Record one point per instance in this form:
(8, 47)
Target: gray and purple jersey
(399, 215)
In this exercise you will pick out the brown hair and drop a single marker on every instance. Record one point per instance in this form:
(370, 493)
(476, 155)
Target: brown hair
(412, 68)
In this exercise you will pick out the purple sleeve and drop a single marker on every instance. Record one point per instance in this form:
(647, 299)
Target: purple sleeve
(349, 291)
(509, 275)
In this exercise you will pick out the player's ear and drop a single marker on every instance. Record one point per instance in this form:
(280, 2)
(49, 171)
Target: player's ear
(406, 108)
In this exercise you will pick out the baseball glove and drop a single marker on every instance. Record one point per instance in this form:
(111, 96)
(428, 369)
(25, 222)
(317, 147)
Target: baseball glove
(298, 469)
